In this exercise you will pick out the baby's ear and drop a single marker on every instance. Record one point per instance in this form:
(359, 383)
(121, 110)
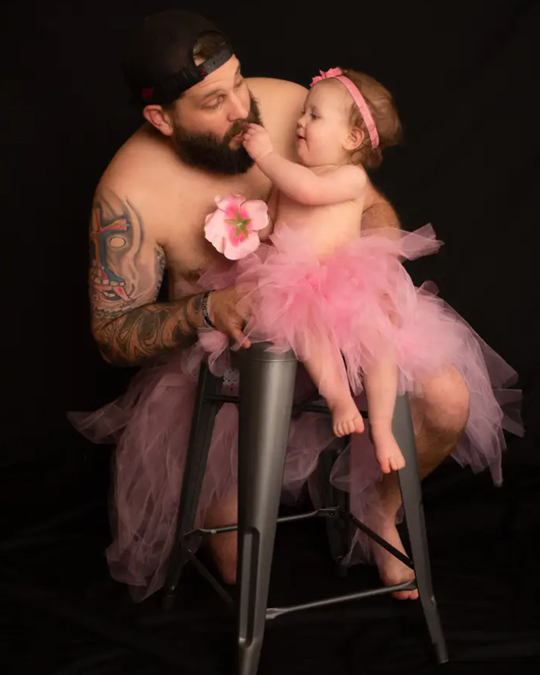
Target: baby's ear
(354, 140)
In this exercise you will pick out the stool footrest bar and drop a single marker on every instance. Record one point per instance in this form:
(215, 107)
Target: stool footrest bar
(211, 579)
(379, 540)
(275, 612)
(330, 512)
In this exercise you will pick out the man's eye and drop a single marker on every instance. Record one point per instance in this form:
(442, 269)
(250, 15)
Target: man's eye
(216, 104)
(314, 116)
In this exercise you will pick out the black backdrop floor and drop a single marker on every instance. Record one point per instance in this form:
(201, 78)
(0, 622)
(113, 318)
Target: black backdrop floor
(63, 615)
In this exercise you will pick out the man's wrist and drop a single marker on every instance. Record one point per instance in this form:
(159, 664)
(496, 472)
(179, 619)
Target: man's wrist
(193, 312)
(205, 309)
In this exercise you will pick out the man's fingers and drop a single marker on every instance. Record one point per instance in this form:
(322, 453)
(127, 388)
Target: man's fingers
(244, 313)
(232, 313)
(240, 338)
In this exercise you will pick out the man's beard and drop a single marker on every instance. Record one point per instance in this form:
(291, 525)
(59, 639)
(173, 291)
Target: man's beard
(211, 153)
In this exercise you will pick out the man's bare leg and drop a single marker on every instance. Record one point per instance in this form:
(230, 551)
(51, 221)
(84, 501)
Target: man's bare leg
(443, 412)
(224, 546)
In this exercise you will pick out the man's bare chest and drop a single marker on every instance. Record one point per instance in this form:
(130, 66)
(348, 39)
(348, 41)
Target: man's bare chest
(182, 237)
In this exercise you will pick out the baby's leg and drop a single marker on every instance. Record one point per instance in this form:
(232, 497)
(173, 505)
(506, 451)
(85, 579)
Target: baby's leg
(381, 388)
(327, 371)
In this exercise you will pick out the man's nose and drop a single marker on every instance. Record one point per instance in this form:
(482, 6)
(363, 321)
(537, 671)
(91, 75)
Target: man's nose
(238, 110)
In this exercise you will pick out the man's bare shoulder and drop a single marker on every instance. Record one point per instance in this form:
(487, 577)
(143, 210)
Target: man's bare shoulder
(140, 170)
(274, 94)
(136, 161)
(138, 182)
(272, 86)
(281, 103)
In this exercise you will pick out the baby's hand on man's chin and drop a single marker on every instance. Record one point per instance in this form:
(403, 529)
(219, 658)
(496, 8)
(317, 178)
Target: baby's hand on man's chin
(257, 142)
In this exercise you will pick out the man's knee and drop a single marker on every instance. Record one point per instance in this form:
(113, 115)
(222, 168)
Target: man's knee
(446, 402)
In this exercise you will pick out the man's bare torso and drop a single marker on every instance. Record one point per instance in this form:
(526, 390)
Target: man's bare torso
(172, 200)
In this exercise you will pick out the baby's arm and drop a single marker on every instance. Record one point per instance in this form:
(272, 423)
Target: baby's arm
(297, 181)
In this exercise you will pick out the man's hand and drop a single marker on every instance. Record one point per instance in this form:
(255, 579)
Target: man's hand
(257, 142)
(229, 312)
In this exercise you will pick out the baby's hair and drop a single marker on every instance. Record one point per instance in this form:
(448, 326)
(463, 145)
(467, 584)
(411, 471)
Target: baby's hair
(383, 109)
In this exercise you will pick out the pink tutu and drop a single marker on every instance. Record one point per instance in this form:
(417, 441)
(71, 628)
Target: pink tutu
(150, 426)
(360, 300)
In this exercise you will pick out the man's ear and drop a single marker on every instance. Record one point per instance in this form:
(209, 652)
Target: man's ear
(159, 118)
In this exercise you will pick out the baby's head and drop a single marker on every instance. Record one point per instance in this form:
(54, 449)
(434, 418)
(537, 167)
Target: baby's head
(337, 129)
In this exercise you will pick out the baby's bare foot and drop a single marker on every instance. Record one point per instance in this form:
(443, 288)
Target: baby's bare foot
(346, 418)
(388, 453)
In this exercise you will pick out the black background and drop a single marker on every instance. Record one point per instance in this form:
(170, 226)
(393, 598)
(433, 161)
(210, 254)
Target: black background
(465, 79)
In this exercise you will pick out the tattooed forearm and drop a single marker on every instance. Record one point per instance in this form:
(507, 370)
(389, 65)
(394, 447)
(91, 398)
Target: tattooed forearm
(147, 332)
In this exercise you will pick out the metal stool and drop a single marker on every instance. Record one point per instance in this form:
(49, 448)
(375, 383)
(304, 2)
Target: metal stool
(267, 384)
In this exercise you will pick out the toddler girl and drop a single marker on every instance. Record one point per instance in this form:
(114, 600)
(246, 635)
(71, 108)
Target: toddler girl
(339, 296)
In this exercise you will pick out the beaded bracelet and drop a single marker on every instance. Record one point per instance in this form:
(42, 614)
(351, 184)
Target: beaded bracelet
(204, 306)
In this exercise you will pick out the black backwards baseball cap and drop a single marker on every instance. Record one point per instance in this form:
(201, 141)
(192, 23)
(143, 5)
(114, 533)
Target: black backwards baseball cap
(159, 64)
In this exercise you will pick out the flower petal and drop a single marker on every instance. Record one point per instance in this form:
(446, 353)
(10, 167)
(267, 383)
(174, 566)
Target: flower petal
(226, 228)
(257, 211)
(231, 203)
(242, 249)
(216, 229)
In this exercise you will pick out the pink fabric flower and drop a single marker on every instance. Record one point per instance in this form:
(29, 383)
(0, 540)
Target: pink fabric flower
(232, 228)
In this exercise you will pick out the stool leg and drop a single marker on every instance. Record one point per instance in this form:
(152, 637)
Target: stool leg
(266, 396)
(202, 426)
(411, 493)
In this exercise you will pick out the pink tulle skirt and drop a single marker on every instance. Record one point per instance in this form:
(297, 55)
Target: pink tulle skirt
(360, 302)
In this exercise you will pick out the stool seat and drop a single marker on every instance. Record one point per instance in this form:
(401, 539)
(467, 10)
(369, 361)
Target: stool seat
(265, 408)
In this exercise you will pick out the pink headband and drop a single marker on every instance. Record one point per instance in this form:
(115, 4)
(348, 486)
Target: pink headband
(360, 101)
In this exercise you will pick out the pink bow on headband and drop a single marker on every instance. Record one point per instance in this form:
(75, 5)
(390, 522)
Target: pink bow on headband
(360, 101)
(332, 72)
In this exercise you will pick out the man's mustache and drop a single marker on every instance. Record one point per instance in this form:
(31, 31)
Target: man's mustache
(239, 126)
